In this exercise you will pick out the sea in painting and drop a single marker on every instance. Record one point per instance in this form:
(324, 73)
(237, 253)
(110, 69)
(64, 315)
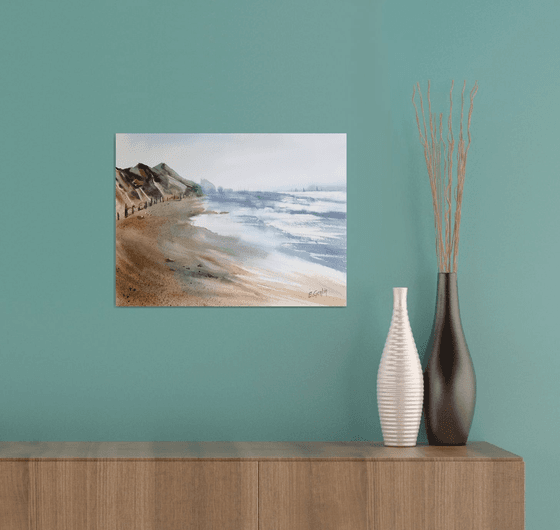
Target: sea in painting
(231, 220)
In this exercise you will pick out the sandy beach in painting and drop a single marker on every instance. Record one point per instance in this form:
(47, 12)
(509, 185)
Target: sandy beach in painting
(165, 256)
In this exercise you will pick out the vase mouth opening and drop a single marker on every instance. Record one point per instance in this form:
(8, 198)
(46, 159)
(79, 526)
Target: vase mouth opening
(399, 297)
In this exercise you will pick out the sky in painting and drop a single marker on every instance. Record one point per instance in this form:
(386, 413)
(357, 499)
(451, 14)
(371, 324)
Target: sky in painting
(242, 161)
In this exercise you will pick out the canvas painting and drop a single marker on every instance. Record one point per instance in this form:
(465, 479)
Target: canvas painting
(230, 220)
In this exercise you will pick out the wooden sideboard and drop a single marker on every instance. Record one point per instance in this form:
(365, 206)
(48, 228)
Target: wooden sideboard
(258, 486)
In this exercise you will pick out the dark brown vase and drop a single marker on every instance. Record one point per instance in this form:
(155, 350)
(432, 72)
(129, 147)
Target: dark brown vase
(449, 378)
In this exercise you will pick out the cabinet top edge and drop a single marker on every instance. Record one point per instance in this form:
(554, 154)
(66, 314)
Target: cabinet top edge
(257, 459)
(249, 451)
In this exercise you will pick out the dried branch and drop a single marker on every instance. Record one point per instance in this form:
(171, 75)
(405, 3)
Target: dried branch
(447, 223)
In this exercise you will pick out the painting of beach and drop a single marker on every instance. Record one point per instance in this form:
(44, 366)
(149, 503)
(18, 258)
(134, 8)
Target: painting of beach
(230, 220)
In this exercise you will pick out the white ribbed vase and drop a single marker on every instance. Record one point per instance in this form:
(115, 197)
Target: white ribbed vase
(400, 383)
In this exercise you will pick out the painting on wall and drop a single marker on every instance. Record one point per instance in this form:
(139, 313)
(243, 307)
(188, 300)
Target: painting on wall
(230, 220)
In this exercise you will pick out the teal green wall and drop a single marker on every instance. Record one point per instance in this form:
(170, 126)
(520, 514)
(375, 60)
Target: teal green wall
(74, 367)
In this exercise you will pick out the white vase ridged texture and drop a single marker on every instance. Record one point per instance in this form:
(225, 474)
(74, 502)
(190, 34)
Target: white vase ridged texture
(400, 383)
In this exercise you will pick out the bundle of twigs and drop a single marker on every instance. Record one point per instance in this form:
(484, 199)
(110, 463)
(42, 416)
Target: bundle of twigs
(436, 149)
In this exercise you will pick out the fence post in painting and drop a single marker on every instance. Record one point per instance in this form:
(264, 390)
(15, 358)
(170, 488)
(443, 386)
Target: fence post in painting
(117, 216)
(133, 208)
(126, 211)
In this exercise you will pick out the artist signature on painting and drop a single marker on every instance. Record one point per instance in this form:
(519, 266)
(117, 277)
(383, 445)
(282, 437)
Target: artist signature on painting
(313, 294)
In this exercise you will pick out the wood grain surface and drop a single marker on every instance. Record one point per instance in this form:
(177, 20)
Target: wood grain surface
(397, 495)
(135, 495)
(258, 485)
(313, 495)
(248, 451)
(445, 495)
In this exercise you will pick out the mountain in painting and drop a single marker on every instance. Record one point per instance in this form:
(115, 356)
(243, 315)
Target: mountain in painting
(140, 186)
(207, 186)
